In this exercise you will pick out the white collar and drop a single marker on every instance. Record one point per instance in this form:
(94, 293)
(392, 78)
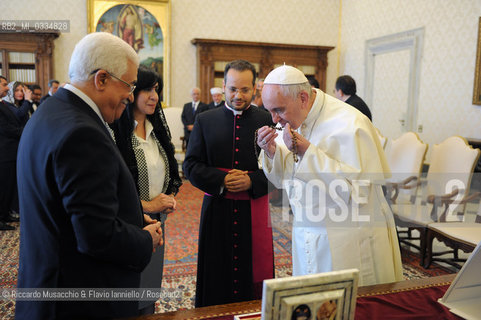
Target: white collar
(148, 127)
(234, 111)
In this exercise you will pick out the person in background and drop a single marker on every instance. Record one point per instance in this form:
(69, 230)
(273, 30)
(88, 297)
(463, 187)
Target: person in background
(259, 84)
(235, 238)
(10, 132)
(144, 140)
(313, 82)
(346, 91)
(36, 96)
(190, 112)
(52, 88)
(257, 97)
(216, 98)
(19, 100)
(82, 222)
(327, 158)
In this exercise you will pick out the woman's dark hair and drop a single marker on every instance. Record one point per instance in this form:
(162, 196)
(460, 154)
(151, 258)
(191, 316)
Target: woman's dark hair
(16, 102)
(146, 80)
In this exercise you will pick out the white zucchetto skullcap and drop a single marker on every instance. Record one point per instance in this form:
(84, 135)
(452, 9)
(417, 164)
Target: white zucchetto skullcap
(285, 75)
(215, 90)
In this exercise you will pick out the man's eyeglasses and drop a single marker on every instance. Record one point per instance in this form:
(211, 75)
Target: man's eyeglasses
(243, 91)
(131, 86)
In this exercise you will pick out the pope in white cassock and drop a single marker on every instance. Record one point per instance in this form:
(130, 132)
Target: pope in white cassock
(328, 157)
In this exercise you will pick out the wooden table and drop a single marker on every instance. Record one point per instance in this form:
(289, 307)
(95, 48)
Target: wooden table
(255, 306)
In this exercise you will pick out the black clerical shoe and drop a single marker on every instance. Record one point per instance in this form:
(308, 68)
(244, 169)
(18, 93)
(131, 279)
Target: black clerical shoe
(4, 226)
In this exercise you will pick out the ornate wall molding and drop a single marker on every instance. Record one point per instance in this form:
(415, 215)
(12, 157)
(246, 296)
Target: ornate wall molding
(266, 55)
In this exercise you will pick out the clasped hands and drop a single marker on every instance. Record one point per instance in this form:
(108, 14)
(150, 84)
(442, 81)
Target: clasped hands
(161, 203)
(237, 180)
(155, 229)
(266, 140)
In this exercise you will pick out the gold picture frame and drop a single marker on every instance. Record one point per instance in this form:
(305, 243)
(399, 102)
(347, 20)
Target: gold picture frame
(145, 25)
(477, 71)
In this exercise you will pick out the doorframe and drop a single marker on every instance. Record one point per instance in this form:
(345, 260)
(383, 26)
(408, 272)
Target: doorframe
(411, 40)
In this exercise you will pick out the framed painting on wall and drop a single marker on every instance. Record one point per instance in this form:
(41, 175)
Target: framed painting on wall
(145, 25)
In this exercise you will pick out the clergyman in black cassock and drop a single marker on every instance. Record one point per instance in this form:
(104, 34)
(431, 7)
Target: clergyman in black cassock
(235, 236)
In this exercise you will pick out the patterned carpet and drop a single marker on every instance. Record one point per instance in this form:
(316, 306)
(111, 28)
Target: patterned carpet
(181, 254)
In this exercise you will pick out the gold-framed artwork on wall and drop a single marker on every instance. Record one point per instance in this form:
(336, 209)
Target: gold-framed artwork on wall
(145, 25)
(477, 71)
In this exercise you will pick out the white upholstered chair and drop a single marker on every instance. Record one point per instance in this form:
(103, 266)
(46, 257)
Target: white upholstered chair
(405, 156)
(440, 197)
(173, 117)
(457, 236)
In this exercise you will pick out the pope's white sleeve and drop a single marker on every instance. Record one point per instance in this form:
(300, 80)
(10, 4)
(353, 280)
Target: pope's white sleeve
(279, 167)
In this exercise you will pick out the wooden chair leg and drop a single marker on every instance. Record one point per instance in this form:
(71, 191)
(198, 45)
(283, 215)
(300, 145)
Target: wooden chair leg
(422, 245)
(428, 258)
(399, 240)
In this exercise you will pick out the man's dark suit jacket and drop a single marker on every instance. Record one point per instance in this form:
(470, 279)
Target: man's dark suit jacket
(188, 117)
(355, 101)
(81, 216)
(10, 132)
(44, 98)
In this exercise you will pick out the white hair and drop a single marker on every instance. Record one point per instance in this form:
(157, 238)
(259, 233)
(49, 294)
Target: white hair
(293, 90)
(100, 50)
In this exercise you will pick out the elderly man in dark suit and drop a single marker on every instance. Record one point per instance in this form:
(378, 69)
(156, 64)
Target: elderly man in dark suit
(82, 224)
(190, 112)
(217, 101)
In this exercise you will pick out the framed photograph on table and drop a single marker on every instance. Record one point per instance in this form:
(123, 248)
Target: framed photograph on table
(145, 25)
(323, 296)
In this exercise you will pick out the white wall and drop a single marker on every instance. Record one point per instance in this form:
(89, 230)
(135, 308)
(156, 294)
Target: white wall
(312, 22)
(448, 63)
